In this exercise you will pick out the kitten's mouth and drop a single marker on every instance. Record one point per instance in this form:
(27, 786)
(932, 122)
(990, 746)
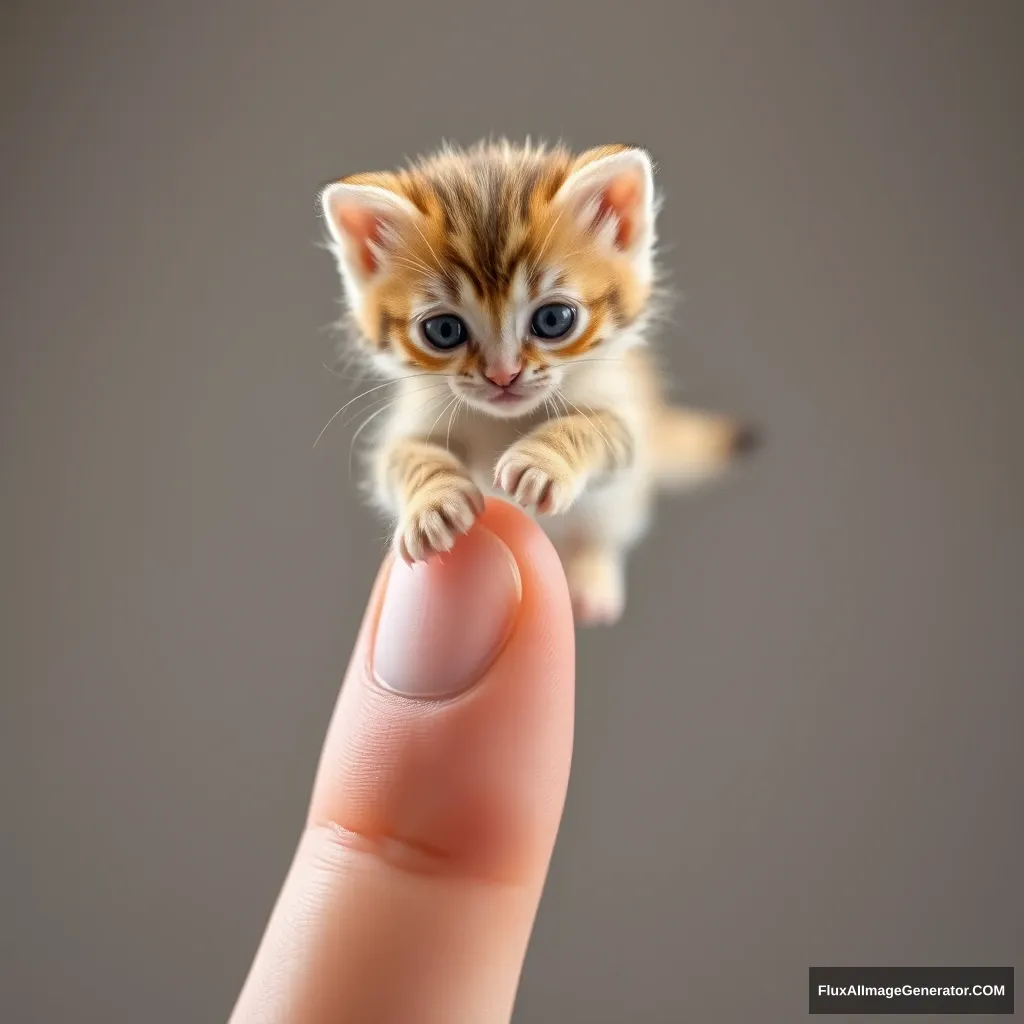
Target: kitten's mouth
(511, 401)
(507, 397)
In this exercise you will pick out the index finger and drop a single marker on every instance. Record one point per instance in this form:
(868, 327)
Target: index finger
(416, 882)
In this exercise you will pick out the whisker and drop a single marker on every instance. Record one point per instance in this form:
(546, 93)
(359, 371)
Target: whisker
(405, 262)
(341, 376)
(550, 409)
(568, 415)
(412, 257)
(397, 398)
(347, 404)
(428, 402)
(394, 380)
(362, 427)
(374, 415)
(551, 231)
(423, 405)
(604, 437)
(569, 255)
(455, 413)
(597, 426)
(430, 432)
(363, 394)
(428, 245)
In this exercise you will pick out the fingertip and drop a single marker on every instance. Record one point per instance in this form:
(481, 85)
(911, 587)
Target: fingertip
(532, 550)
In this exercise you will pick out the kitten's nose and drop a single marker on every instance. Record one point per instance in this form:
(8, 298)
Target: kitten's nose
(502, 376)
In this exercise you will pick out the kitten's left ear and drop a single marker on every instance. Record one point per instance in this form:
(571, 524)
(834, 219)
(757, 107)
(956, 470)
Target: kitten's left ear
(612, 194)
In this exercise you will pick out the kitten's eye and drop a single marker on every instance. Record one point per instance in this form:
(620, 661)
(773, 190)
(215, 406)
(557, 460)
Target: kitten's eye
(553, 321)
(445, 332)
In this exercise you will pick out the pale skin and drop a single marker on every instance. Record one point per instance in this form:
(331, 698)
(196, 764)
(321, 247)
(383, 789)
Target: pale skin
(415, 885)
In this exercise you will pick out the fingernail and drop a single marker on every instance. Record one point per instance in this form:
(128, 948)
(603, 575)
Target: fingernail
(443, 621)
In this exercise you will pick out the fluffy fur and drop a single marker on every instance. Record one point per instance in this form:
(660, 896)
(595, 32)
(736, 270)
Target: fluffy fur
(463, 248)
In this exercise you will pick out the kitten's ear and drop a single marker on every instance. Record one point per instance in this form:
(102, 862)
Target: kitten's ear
(366, 222)
(611, 192)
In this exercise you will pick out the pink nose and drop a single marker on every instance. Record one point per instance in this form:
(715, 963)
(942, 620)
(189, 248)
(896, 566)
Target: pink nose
(502, 377)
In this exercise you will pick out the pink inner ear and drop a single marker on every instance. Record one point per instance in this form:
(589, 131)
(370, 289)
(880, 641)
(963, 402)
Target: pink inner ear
(622, 197)
(363, 228)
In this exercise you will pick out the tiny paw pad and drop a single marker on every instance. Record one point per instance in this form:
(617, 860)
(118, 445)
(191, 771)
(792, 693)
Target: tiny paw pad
(535, 476)
(433, 523)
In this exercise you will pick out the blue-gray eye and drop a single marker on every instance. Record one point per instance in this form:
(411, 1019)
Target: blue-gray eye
(445, 332)
(553, 321)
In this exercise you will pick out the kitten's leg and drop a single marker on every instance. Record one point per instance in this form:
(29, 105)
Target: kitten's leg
(551, 468)
(597, 584)
(594, 540)
(430, 492)
(552, 465)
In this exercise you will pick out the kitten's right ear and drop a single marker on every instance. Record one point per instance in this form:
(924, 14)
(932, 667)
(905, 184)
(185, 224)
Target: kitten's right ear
(366, 222)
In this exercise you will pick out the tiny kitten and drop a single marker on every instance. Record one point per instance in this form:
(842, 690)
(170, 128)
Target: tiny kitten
(507, 290)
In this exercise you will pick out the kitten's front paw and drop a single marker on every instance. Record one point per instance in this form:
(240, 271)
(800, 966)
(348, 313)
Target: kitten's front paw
(432, 524)
(534, 474)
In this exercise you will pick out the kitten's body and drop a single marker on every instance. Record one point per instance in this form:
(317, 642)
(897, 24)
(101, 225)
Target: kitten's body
(450, 269)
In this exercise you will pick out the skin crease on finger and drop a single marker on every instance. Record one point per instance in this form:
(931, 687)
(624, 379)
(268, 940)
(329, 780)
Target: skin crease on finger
(415, 885)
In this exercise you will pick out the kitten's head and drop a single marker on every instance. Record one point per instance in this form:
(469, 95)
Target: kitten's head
(498, 267)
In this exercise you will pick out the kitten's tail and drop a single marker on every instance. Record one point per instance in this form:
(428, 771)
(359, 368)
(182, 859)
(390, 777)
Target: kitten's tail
(691, 447)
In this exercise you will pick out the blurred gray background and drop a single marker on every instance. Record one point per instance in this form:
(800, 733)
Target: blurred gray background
(802, 746)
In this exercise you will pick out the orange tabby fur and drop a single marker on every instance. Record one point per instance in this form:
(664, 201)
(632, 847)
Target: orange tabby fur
(575, 427)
